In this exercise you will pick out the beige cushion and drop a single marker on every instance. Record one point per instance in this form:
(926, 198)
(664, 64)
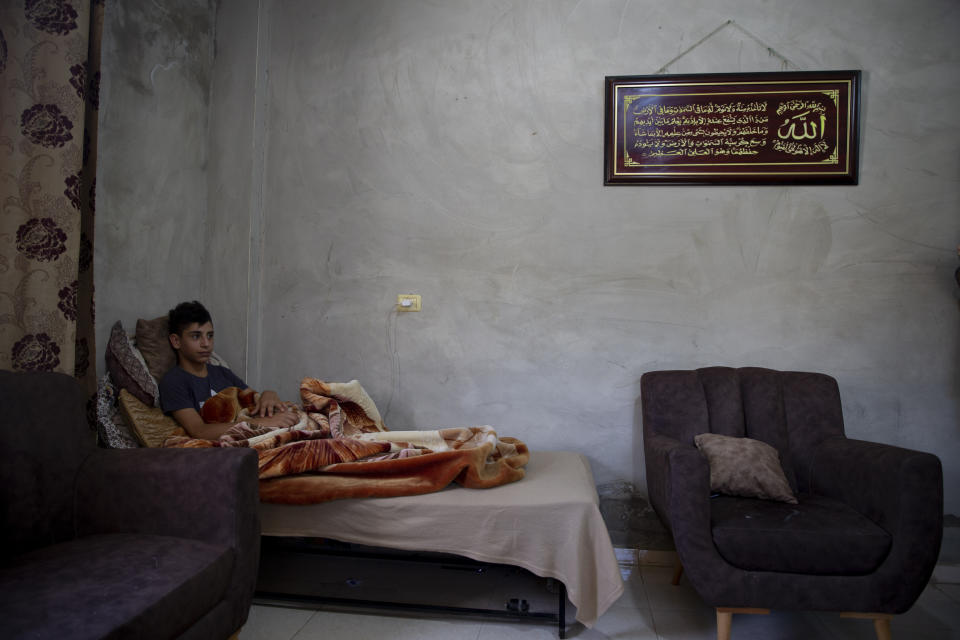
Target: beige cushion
(149, 424)
(744, 467)
(153, 341)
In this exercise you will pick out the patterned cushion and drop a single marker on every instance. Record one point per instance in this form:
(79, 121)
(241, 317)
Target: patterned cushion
(154, 344)
(111, 427)
(744, 467)
(127, 368)
(149, 424)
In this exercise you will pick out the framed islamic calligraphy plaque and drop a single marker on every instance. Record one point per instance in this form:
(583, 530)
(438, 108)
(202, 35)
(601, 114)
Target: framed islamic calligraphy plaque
(732, 128)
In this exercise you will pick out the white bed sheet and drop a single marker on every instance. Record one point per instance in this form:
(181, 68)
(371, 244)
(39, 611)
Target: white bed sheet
(548, 523)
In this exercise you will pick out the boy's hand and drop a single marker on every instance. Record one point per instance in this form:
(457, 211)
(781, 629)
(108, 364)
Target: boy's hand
(270, 404)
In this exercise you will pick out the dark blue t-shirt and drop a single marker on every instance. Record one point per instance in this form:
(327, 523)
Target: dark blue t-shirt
(182, 390)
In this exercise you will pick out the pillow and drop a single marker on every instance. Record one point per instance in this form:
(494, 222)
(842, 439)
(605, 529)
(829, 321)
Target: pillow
(111, 428)
(127, 368)
(153, 341)
(744, 467)
(149, 424)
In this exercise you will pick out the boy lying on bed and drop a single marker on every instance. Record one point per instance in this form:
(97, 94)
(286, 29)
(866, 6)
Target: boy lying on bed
(185, 388)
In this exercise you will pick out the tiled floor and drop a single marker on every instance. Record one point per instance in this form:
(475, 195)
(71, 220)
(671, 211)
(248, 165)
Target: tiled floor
(650, 609)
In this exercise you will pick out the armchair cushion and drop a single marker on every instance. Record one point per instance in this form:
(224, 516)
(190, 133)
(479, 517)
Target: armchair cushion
(818, 536)
(744, 467)
(120, 585)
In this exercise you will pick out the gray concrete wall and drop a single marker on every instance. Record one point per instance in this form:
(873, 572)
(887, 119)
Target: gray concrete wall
(454, 150)
(176, 184)
(234, 179)
(150, 244)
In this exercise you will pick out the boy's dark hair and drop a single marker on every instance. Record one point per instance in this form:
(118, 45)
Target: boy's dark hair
(185, 314)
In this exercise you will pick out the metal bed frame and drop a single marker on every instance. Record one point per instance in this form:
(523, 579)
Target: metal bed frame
(516, 609)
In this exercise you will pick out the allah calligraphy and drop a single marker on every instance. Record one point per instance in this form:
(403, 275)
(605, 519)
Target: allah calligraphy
(803, 121)
(732, 128)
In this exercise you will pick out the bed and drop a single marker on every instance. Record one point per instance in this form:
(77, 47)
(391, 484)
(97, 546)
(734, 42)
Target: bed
(548, 523)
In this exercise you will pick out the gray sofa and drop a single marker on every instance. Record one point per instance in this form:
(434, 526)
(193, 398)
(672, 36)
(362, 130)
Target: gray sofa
(139, 543)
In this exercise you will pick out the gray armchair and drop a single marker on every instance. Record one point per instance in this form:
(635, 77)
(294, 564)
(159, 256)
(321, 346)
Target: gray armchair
(135, 543)
(864, 536)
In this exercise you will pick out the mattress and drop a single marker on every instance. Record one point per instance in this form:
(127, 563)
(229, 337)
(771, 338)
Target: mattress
(549, 523)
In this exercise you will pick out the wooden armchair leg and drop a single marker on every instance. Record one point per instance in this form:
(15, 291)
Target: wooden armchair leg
(882, 627)
(881, 622)
(724, 623)
(725, 619)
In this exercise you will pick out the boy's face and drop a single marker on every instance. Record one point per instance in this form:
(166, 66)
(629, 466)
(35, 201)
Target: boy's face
(195, 343)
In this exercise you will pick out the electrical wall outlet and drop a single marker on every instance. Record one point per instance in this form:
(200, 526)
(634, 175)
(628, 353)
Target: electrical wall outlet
(408, 302)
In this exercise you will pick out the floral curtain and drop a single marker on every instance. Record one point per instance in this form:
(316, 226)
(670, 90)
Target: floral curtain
(49, 78)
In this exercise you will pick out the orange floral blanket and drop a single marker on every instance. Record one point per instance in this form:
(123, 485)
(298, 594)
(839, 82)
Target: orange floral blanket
(341, 449)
